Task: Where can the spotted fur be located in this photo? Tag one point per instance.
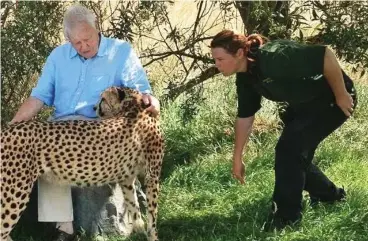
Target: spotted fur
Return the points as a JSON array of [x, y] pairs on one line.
[[126, 142]]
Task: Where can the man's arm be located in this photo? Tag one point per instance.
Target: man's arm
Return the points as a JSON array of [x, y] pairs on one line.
[[135, 77], [42, 94], [28, 110], [332, 72], [243, 128], [133, 74]]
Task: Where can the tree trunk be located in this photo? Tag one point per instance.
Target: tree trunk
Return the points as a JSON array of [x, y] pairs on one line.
[[245, 8], [262, 25]]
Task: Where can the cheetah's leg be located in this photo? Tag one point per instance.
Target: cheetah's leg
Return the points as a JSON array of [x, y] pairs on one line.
[[152, 185], [132, 204], [13, 202], [154, 157]]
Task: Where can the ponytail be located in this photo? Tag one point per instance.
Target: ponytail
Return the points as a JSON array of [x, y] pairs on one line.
[[252, 44], [232, 42]]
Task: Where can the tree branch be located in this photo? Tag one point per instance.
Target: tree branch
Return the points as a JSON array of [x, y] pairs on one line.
[[156, 59], [174, 92], [6, 11], [179, 51]]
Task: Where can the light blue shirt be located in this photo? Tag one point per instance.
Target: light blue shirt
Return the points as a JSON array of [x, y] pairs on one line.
[[73, 85]]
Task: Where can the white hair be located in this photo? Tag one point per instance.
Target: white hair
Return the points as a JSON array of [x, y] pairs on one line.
[[76, 14]]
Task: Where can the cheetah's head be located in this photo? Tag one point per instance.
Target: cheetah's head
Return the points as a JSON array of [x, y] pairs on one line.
[[120, 101]]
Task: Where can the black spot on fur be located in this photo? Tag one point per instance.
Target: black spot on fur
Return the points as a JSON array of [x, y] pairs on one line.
[[121, 94]]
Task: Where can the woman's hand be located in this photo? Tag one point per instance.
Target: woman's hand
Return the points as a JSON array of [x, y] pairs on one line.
[[346, 103], [243, 128], [239, 171], [333, 73]]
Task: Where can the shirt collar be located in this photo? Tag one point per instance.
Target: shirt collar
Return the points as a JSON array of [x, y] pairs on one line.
[[101, 48], [73, 52]]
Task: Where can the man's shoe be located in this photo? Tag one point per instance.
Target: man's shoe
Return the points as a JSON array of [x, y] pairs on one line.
[[339, 196], [63, 236]]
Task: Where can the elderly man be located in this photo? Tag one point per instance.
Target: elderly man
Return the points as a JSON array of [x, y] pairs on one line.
[[73, 77]]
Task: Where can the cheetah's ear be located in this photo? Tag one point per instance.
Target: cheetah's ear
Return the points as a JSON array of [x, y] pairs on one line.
[[121, 94]]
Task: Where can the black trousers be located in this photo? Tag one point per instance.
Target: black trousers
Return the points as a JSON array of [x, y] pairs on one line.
[[305, 127]]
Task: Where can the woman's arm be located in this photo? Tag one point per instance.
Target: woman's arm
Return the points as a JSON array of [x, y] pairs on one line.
[[332, 72], [243, 128]]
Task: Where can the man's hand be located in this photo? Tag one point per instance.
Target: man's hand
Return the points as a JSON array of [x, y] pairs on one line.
[[346, 103], [154, 107], [12, 122], [239, 170], [27, 110]]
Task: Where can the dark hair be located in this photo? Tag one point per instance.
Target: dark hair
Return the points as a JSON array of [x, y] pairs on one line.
[[231, 42]]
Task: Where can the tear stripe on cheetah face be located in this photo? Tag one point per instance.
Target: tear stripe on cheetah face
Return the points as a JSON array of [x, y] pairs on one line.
[[83, 153]]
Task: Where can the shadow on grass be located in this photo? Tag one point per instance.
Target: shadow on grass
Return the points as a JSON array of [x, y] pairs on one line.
[[245, 219], [353, 214], [246, 222], [179, 151]]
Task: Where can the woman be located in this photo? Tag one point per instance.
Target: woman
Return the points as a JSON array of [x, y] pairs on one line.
[[320, 97]]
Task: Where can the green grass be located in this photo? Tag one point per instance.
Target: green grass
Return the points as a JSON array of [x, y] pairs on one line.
[[200, 201]]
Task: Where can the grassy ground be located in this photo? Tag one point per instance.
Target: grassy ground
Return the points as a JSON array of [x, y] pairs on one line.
[[200, 201]]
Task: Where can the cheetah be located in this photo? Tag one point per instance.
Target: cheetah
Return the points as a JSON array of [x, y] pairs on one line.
[[125, 142]]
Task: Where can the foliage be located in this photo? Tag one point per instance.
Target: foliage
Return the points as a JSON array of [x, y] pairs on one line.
[[183, 45], [269, 18], [345, 28], [26, 40], [127, 20], [174, 49]]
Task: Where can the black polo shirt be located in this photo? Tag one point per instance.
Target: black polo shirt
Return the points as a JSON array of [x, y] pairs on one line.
[[284, 71]]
